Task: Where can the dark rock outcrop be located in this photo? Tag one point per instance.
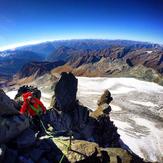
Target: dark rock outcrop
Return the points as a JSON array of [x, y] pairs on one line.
[[11, 122], [105, 131], [12, 126], [128, 61], [6, 105], [65, 92], [26, 139], [105, 98], [70, 115]]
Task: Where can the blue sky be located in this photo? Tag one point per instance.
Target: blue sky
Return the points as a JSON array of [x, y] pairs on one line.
[[31, 21]]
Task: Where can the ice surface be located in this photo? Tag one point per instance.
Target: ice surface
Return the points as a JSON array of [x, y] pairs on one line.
[[11, 94], [143, 134], [115, 108], [149, 52], [148, 103]]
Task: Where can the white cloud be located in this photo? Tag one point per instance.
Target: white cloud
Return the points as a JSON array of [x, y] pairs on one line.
[[13, 46]]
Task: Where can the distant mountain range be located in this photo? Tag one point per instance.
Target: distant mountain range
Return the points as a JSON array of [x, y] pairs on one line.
[[12, 61], [85, 58], [38, 68], [148, 57], [142, 63], [46, 48]]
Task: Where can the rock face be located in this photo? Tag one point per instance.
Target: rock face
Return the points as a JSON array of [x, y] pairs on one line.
[[105, 98], [86, 125], [138, 61], [70, 115], [38, 68], [26, 139], [12, 126], [6, 105], [106, 132], [11, 122], [65, 92], [84, 151]]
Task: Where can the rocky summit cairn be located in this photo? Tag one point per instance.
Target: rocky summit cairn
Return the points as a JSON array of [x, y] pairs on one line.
[[72, 133], [106, 132], [105, 98]]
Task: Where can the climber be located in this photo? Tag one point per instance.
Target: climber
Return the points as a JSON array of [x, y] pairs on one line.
[[33, 108], [24, 89]]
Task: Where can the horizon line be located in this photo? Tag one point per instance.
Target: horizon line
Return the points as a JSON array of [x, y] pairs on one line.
[[37, 42]]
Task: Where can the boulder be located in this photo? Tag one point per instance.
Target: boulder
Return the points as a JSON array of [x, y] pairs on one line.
[[49, 150], [65, 91], [44, 145], [101, 109], [36, 154], [6, 105], [43, 160], [67, 113], [85, 151], [106, 133], [12, 126], [10, 155], [23, 159], [105, 98], [82, 150], [26, 139], [74, 120]]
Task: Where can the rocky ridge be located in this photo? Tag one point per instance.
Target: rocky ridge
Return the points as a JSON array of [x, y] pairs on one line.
[[151, 58], [38, 68], [94, 137]]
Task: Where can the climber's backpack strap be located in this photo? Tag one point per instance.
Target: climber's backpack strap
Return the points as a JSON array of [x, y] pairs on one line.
[[37, 111]]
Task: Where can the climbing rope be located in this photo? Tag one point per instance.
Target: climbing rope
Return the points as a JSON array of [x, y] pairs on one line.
[[51, 135]]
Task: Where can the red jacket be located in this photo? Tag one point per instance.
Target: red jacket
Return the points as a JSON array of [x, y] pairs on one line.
[[26, 107]]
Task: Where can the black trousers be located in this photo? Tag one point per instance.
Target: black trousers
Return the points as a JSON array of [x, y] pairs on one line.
[[36, 124]]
